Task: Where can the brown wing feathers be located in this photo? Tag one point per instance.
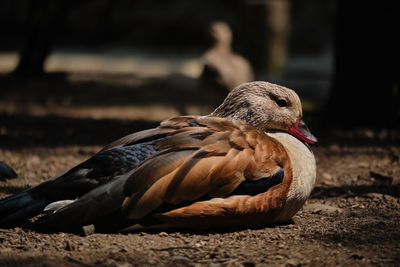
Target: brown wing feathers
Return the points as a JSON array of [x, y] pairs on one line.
[[164, 129], [202, 156]]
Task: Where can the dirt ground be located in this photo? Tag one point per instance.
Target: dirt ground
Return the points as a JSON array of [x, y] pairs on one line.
[[351, 219]]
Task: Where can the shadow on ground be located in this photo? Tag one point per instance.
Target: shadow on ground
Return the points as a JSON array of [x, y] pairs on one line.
[[24, 130], [102, 89], [352, 191]]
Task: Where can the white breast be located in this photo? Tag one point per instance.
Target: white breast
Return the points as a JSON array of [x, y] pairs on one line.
[[304, 173]]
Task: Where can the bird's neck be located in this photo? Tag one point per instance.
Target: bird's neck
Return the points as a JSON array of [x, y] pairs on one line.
[[304, 172]]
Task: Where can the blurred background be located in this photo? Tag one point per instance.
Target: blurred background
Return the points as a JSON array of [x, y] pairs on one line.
[[70, 70], [76, 75]]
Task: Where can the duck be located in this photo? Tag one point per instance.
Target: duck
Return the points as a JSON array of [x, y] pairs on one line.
[[223, 69], [249, 163]]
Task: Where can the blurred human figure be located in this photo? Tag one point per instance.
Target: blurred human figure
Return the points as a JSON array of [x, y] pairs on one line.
[[223, 69]]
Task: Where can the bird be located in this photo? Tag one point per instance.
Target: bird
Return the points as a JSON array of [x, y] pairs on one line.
[[223, 69], [249, 163]]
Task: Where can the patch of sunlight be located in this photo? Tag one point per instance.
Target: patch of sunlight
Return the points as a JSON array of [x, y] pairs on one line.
[[8, 61], [142, 63]]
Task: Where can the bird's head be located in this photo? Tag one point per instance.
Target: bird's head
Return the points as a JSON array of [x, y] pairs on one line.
[[267, 106]]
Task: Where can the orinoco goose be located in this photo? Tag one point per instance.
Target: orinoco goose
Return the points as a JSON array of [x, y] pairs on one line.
[[246, 164]]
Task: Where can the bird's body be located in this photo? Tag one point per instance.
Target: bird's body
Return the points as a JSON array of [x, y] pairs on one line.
[[243, 165]]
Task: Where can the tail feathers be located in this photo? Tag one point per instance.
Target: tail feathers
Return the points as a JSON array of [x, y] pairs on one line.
[[17, 208], [13, 203], [100, 207]]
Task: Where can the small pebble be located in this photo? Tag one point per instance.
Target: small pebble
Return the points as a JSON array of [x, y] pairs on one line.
[[292, 262], [88, 229], [179, 258], [163, 234], [322, 208], [327, 175]]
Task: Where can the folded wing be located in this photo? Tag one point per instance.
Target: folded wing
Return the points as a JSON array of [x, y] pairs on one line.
[[214, 159], [204, 169]]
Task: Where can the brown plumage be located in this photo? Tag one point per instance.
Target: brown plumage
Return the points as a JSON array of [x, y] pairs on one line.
[[211, 159], [246, 164]]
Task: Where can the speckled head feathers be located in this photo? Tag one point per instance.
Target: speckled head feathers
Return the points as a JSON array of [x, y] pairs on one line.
[[264, 105]]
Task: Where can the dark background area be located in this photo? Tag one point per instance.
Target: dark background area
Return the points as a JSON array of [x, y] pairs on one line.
[[339, 56], [76, 75]]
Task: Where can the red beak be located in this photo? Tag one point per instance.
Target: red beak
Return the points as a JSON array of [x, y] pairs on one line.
[[299, 129]]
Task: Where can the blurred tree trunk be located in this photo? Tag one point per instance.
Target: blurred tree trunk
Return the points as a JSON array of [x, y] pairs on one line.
[[278, 22], [266, 29], [366, 82], [41, 26]]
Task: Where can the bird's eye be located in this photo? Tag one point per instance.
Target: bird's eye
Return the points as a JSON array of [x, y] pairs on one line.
[[281, 102]]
